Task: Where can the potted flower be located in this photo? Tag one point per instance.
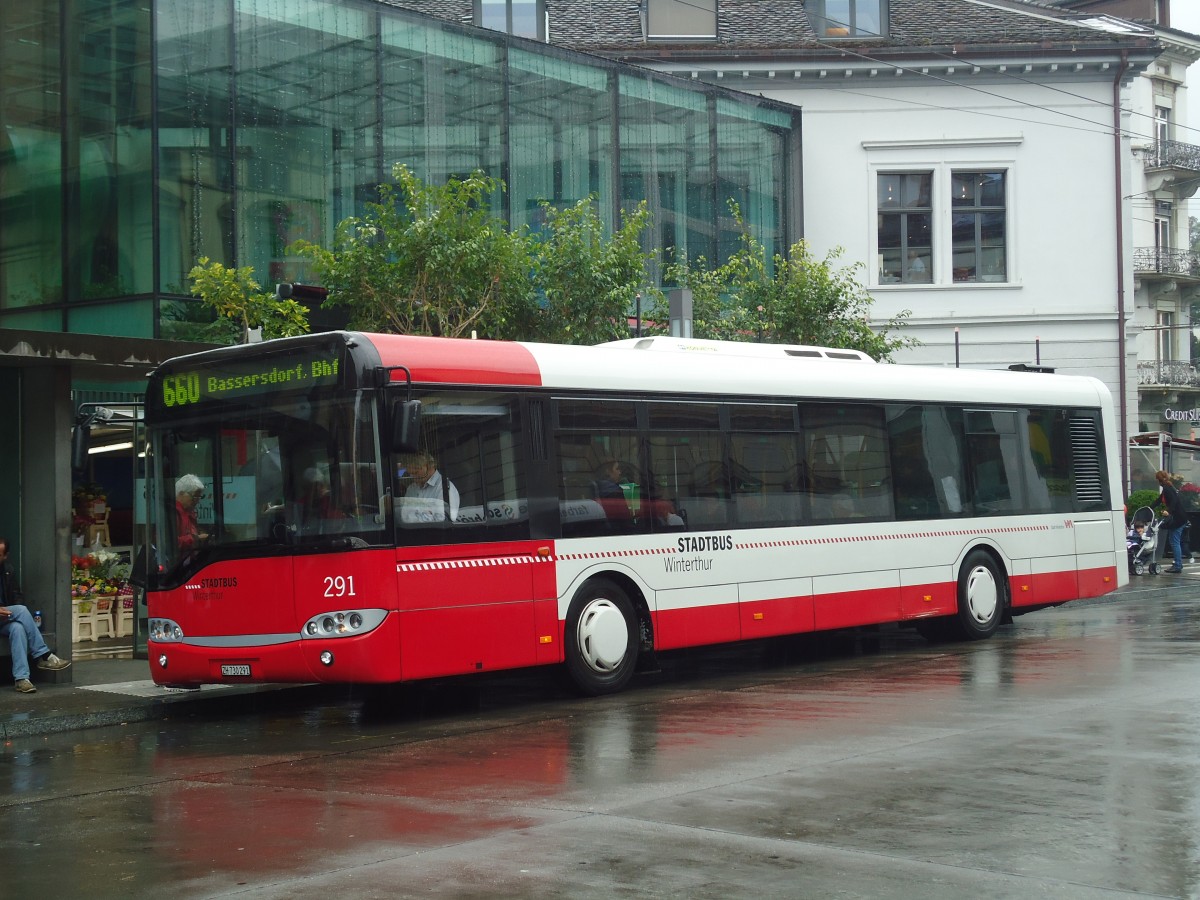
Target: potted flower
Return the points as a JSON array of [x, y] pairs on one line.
[[82, 582], [1189, 493], [89, 506]]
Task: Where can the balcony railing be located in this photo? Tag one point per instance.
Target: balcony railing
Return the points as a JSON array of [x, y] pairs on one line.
[[1173, 155], [1173, 374], [1166, 262]]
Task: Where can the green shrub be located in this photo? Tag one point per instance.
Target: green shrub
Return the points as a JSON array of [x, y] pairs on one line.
[[1138, 499]]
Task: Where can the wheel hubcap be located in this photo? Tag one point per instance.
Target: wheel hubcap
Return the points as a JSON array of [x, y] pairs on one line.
[[603, 635], [982, 594]]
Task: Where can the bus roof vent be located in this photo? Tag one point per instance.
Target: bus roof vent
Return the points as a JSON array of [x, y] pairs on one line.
[[738, 348], [846, 354]]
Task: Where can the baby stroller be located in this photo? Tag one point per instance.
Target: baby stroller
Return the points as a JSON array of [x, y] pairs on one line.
[[1142, 546]]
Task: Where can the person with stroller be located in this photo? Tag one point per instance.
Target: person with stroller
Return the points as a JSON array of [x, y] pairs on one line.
[[1176, 519], [1133, 540]]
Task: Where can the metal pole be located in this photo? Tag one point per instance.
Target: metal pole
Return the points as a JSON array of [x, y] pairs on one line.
[[956, 346], [1037, 350]]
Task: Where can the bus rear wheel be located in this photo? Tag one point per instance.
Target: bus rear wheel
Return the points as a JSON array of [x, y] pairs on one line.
[[981, 596], [601, 638]]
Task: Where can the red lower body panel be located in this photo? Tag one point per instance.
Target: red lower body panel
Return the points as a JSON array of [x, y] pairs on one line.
[[846, 610], [716, 624], [767, 618]]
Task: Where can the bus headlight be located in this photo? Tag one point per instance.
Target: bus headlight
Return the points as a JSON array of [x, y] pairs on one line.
[[164, 631], [343, 623]]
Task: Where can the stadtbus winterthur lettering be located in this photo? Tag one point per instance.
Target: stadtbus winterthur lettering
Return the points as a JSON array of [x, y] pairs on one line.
[[184, 388]]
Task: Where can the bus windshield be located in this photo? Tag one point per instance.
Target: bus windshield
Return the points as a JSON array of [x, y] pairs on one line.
[[287, 470]]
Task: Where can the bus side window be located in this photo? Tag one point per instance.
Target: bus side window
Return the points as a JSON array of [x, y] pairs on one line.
[[704, 499], [708, 505], [994, 461], [466, 482], [847, 462], [766, 491], [600, 483], [927, 460], [869, 476], [577, 478], [1049, 467], [671, 463]]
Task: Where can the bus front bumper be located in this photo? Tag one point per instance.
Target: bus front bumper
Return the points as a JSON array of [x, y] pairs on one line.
[[369, 658]]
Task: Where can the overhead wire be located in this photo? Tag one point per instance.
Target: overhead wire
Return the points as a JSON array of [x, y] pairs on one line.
[[1100, 127], [1096, 127]]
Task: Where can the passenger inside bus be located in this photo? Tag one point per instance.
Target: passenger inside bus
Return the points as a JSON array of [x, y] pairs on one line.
[[607, 490], [189, 491], [429, 497], [607, 484]]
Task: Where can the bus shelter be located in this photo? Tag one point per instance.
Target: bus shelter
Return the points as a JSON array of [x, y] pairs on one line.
[[1151, 451]]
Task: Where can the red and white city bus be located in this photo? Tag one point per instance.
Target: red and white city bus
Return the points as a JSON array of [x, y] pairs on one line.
[[380, 508]]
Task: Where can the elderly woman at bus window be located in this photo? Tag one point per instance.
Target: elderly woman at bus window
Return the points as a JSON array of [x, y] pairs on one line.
[[189, 491]]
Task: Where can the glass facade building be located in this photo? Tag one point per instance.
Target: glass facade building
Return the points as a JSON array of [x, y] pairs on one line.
[[140, 135]]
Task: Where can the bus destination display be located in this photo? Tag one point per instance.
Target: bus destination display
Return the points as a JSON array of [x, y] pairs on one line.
[[235, 380]]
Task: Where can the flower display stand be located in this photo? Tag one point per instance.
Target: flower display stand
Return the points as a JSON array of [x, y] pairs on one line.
[[123, 613], [92, 617]]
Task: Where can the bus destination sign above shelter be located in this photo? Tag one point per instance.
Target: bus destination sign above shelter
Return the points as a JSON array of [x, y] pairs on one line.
[[233, 380]]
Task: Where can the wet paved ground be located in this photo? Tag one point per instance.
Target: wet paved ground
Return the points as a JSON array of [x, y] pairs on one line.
[[1059, 759]]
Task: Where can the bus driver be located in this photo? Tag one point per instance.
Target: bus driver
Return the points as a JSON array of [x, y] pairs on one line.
[[429, 497]]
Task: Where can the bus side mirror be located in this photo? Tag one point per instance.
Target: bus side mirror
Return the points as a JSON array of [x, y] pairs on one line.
[[80, 439], [406, 426], [141, 575]]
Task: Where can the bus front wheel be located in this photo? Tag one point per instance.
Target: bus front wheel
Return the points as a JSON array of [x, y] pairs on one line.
[[601, 638], [981, 596]]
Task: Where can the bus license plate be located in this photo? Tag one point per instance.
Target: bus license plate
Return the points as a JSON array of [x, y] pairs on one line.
[[244, 671]]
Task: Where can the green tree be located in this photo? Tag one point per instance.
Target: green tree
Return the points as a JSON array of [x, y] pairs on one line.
[[797, 300], [429, 260], [588, 281], [241, 305]]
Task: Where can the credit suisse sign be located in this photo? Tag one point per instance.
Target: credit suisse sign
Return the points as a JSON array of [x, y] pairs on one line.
[[1181, 415]]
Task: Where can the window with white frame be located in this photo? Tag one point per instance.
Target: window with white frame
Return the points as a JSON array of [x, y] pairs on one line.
[[905, 227], [1162, 124], [523, 18], [681, 19], [1163, 217], [835, 19], [979, 226], [942, 225]]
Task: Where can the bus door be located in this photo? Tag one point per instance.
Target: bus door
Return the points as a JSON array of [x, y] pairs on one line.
[[209, 522], [467, 572]]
